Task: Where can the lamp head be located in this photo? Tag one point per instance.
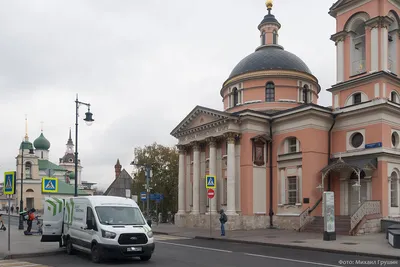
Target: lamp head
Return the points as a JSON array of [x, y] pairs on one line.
[[89, 118]]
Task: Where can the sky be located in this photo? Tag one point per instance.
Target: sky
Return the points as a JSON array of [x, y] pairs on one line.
[[142, 65]]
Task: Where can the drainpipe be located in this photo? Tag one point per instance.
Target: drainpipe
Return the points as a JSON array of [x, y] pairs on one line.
[[329, 149], [271, 209]]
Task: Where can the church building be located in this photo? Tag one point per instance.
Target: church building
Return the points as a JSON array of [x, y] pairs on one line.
[[275, 151], [36, 165]]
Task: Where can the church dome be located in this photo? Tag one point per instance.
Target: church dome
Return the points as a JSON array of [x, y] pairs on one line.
[[269, 57], [26, 145], [41, 143]]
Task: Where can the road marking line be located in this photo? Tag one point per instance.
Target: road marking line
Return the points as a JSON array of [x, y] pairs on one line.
[[20, 264], [189, 246], [298, 261]]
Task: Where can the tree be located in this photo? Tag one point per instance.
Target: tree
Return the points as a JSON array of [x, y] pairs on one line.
[[164, 162]]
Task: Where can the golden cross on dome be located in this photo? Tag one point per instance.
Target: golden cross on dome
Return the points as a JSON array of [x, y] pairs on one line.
[[26, 128], [41, 126], [269, 4]]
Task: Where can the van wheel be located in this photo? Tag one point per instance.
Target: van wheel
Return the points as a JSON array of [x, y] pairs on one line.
[[145, 258], [96, 256], [70, 249]]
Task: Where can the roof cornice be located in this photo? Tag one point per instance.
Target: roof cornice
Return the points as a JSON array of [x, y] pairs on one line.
[[362, 79]]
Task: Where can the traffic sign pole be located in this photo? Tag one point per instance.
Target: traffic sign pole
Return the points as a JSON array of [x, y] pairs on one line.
[[9, 225], [210, 195]]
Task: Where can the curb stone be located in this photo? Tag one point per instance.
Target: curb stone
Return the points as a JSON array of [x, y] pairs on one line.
[[32, 255], [336, 251]]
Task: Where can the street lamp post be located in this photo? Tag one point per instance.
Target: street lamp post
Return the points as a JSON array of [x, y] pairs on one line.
[[89, 120], [21, 202], [148, 175]]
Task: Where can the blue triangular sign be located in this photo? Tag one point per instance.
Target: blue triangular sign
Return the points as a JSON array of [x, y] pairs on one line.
[[210, 181]]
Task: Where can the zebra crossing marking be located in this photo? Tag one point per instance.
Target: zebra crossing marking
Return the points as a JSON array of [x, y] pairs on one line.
[[15, 263]]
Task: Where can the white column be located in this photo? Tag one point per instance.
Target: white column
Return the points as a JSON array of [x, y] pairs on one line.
[[385, 49], [181, 181], [340, 60], [196, 179], [231, 179], [213, 171], [374, 49]]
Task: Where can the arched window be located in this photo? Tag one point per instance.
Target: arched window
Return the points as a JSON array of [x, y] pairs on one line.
[[354, 175], [392, 42], [275, 37], [235, 97], [356, 98], [41, 154], [29, 191], [263, 38], [394, 202], [393, 96], [270, 92], [305, 94], [358, 49], [28, 169]]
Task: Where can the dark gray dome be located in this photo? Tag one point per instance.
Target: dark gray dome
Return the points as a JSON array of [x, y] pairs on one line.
[[269, 58]]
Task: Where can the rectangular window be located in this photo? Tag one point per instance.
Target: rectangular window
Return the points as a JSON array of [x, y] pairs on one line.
[[292, 145], [292, 190], [357, 98], [393, 193], [90, 219]]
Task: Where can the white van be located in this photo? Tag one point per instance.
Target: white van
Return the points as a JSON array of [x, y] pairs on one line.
[[102, 226]]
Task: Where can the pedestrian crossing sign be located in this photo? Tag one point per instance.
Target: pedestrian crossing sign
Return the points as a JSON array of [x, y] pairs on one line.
[[211, 182], [49, 185], [9, 183]]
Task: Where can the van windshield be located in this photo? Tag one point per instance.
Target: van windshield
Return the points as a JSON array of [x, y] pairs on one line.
[[112, 215]]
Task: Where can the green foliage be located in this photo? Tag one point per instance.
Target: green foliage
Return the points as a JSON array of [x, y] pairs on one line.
[[164, 162]]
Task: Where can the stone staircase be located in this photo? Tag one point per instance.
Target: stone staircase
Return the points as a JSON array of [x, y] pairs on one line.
[[342, 225]]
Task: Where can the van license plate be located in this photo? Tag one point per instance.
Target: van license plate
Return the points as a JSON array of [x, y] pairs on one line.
[[135, 249]]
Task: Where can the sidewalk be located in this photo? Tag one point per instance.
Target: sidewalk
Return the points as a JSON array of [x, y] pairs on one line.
[[24, 246], [374, 245]]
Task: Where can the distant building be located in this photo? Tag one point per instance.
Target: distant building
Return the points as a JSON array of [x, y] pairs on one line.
[[122, 185], [37, 165]]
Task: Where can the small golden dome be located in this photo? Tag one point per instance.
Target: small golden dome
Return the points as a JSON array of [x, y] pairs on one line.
[[269, 4]]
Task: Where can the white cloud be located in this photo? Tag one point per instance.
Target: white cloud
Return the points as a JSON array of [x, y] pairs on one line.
[[143, 65]]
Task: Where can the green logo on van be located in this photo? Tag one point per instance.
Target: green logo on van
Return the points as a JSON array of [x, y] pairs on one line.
[[55, 205], [70, 205]]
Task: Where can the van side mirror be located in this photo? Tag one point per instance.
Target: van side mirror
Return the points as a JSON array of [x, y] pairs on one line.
[[149, 222]]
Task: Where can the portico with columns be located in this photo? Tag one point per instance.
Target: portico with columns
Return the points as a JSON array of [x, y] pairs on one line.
[[217, 155]]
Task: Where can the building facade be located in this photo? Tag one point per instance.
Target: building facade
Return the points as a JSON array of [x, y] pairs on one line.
[[274, 150]]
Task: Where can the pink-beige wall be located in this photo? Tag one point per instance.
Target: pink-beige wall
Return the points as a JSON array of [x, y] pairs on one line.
[[314, 159], [380, 187], [368, 89], [246, 173], [285, 88], [379, 132]]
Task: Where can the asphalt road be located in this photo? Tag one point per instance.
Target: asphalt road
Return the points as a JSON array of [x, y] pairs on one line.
[[173, 251]]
